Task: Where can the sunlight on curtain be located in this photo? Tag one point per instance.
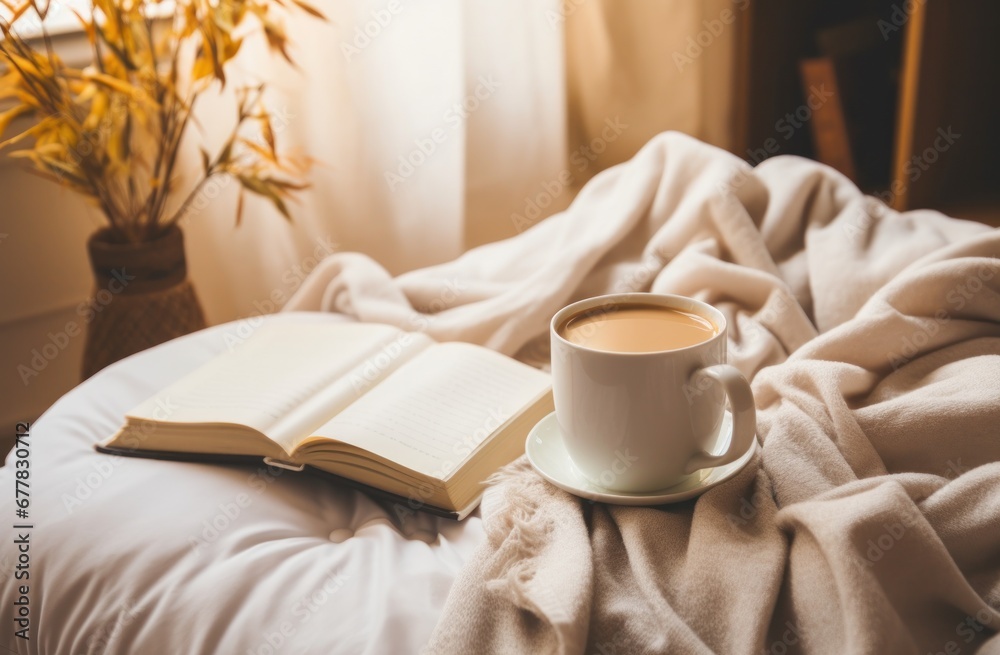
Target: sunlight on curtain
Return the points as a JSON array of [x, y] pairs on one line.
[[438, 126], [636, 68], [431, 122]]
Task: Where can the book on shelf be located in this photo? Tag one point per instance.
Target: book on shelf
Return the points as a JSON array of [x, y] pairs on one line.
[[828, 124], [853, 127], [394, 413]]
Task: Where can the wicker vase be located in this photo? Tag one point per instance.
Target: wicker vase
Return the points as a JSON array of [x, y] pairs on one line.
[[142, 297]]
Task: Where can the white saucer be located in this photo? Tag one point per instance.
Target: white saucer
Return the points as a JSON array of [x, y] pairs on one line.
[[548, 455]]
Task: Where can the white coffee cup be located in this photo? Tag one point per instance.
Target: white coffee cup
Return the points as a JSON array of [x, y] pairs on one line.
[[642, 421]]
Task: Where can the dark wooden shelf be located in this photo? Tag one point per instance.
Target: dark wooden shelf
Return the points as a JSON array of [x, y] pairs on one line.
[[984, 208], [945, 58]]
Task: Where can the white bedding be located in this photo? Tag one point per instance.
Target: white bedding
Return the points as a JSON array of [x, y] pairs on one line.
[[125, 557], [122, 562]]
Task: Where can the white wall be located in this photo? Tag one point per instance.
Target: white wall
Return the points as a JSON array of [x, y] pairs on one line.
[[44, 276]]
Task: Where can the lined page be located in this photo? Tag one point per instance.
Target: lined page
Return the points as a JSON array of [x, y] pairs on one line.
[[266, 377], [331, 399], [433, 412]]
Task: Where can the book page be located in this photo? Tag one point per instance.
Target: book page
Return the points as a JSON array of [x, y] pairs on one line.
[[330, 400], [436, 409], [264, 379]]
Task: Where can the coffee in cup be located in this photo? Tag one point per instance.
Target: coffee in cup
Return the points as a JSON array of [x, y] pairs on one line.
[[640, 382], [636, 328]]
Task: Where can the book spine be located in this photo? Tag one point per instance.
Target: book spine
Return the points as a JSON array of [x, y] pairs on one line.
[[829, 125], [281, 464]]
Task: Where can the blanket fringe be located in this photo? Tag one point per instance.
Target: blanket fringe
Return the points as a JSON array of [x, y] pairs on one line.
[[517, 532]]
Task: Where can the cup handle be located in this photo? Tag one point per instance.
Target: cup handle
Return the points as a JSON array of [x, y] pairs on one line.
[[744, 417]]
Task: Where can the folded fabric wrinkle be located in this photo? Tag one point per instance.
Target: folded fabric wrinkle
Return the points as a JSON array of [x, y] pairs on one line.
[[872, 338]]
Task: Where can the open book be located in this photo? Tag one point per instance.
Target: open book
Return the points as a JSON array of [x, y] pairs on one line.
[[390, 410]]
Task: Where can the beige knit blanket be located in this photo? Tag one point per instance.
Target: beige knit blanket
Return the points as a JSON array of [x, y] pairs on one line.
[[869, 523]]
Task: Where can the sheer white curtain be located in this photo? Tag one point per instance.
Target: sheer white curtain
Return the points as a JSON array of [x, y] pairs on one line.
[[438, 125], [645, 67], [430, 121]]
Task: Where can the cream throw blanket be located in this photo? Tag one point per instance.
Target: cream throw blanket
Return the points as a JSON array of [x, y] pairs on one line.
[[870, 523]]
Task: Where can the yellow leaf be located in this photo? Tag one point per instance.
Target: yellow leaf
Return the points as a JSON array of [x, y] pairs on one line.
[[14, 140], [257, 148], [263, 188], [202, 67], [47, 150], [88, 27], [60, 169], [11, 91], [41, 9], [265, 126], [239, 208], [18, 11], [285, 186], [276, 38], [115, 145], [113, 83], [68, 134], [24, 66], [46, 124], [309, 9], [7, 117], [232, 48], [190, 22], [85, 92], [98, 112]]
